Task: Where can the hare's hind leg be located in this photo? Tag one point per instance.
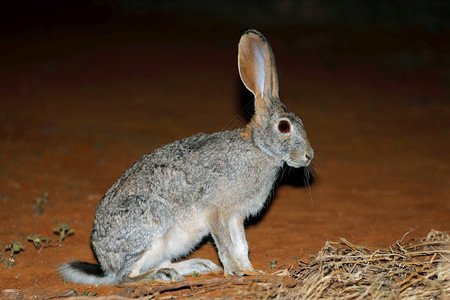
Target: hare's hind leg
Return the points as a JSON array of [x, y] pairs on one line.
[[161, 271], [151, 266], [195, 265]]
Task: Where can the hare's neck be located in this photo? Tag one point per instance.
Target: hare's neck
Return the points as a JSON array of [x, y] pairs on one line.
[[273, 162]]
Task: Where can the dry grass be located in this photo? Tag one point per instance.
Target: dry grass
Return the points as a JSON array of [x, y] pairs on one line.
[[419, 269]]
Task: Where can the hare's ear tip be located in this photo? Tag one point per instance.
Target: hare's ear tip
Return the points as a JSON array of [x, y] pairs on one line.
[[252, 31], [249, 30]]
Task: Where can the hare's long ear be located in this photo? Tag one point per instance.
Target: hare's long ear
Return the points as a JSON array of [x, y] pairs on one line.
[[257, 70]]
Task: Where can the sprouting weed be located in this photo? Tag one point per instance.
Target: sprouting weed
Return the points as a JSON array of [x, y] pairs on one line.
[[39, 203], [273, 264], [14, 247], [63, 230], [38, 240]]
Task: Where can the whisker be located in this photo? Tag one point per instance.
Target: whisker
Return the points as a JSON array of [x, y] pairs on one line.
[[283, 171], [291, 170], [313, 170], [308, 173]]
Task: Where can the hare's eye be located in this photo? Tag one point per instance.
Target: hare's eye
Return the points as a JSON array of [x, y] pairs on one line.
[[284, 126]]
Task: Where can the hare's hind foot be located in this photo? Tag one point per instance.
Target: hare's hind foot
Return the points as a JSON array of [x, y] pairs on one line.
[[156, 275], [195, 265], [173, 271]]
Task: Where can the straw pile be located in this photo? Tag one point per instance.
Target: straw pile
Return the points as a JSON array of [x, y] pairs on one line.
[[418, 270]]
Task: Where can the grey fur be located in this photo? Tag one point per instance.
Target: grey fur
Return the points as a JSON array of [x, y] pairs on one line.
[[166, 202]]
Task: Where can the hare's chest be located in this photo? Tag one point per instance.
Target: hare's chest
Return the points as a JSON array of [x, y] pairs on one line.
[[259, 192], [256, 203]]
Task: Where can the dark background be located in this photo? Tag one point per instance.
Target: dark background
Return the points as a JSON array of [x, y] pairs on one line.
[[43, 16], [327, 22]]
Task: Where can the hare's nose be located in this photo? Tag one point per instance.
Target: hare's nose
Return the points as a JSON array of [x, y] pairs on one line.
[[309, 155]]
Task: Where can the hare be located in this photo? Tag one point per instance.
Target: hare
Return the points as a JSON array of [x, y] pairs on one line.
[[170, 199]]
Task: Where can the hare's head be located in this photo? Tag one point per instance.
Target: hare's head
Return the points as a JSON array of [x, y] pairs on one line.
[[273, 128]]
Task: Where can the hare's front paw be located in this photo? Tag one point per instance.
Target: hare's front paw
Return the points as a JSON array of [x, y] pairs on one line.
[[235, 272], [253, 272]]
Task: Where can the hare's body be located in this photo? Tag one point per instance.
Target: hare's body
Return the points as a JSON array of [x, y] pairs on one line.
[[176, 206], [165, 203]]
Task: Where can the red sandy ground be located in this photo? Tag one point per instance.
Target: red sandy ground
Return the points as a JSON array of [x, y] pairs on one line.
[[78, 106]]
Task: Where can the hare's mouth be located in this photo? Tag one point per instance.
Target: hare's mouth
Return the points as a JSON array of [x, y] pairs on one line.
[[297, 159], [292, 164], [298, 164]]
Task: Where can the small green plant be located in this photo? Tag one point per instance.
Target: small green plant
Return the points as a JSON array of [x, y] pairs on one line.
[[295, 258], [195, 274], [273, 264], [85, 293], [63, 230], [39, 203], [38, 240], [14, 247]]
